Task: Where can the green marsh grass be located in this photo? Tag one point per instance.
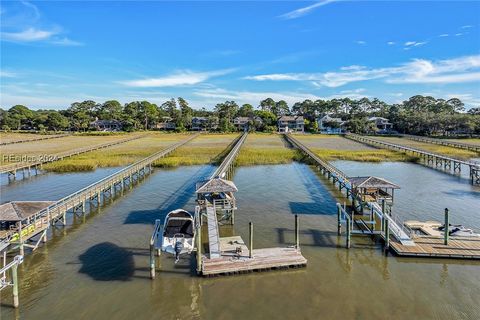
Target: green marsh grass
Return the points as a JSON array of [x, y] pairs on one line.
[[205, 149], [118, 155]]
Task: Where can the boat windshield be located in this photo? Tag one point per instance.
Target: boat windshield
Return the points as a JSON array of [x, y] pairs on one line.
[[175, 226]]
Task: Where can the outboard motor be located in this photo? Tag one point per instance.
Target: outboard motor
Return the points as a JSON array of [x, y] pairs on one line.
[[178, 250]]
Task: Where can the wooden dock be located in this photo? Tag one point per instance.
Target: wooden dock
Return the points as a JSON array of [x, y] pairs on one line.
[[27, 167], [261, 260], [431, 159], [431, 246], [444, 142], [46, 137], [38, 222], [213, 234]]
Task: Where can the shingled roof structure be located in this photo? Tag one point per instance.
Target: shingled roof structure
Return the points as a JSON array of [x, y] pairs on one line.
[[372, 182], [216, 185], [21, 210]]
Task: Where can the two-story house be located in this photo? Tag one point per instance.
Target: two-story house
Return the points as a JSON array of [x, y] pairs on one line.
[[330, 125], [165, 123], [243, 123], [381, 123], [291, 124]]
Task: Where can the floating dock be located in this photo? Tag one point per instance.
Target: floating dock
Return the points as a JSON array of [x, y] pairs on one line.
[[235, 258]]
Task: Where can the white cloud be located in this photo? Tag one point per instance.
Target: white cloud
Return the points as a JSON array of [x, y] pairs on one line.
[[458, 34], [391, 43], [28, 35], [180, 78], [444, 35], [361, 42], [456, 70], [466, 27], [305, 10], [415, 43], [252, 97], [7, 74], [25, 25], [66, 42]]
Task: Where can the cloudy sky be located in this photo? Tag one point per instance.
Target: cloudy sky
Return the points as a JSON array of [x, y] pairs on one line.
[[55, 53]]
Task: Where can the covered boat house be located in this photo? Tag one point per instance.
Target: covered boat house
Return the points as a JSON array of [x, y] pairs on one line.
[[218, 193], [373, 189]]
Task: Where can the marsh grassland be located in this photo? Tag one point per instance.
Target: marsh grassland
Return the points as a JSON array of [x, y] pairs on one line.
[[264, 148], [335, 147], [205, 149], [435, 148], [119, 155], [55, 146], [9, 137]]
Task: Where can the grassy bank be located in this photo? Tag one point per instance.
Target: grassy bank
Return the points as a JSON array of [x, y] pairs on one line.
[[261, 149], [363, 155], [435, 148], [205, 149], [118, 155]]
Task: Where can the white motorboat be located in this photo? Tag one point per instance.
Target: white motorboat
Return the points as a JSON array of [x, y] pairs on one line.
[[178, 233]]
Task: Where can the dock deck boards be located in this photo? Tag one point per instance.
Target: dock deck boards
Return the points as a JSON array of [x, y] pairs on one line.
[[213, 235], [431, 246], [263, 259]]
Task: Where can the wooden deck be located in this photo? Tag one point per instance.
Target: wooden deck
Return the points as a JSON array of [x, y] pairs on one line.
[[262, 260], [213, 234], [431, 246]]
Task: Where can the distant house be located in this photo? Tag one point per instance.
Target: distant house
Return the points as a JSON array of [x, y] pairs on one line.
[[291, 124], [381, 123], [199, 123], [243, 123], [204, 123], [329, 125], [166, 123], [106, 125]]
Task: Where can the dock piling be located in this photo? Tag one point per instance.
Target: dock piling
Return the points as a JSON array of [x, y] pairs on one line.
[[446, 230], [250, 243], [387, 236], [349, 231], [339, 219], [15, 286], [297, 233], [152, 261]]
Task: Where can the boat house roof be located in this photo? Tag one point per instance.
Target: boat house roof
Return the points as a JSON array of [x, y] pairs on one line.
[[21, 210], [372, 182], [216, 185]]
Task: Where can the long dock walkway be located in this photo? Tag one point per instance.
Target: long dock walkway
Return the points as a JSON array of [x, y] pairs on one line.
[[429, 158], [12, 169], [230, 255], [444, 142], [344, 184], [37, 222], [46, 137]]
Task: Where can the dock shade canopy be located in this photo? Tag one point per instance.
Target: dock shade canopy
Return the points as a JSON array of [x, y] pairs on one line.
[[21, 210], [216, 185], [372, 182]]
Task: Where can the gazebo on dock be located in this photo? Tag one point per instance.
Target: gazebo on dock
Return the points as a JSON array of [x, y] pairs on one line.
[[19, 222], [219, 193], [373, 189]]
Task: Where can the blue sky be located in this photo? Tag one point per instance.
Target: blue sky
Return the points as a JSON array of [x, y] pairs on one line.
[[55, 53]]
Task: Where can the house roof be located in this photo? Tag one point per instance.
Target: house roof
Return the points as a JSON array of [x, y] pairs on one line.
[[371, 182], [290, 118], [21, 210], [327, 118], [216, 185]]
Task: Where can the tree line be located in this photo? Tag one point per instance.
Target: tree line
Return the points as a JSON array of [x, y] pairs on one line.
[[423, 115]]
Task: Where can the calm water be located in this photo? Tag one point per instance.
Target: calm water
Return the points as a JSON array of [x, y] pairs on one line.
[[98, 269]]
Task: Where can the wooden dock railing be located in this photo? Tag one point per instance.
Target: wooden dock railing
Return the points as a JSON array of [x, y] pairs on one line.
[[430, 158], [39, 222], [11, 169], [340, 178], [46, 137], [443, 142], [226, 166]]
